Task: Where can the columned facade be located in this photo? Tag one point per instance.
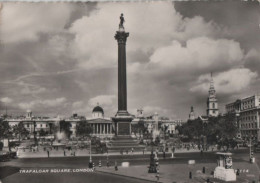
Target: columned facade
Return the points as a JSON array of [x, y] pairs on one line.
[[101, 128]]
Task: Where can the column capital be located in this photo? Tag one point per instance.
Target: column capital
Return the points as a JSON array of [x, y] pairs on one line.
[[121, 36]]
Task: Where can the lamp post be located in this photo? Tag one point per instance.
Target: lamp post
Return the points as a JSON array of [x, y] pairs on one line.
[[251, 157], [90, 165]]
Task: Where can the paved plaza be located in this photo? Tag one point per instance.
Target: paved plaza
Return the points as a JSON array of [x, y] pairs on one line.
[[170, 169]]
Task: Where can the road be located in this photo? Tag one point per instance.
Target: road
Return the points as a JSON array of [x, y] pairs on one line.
[[9, 170]]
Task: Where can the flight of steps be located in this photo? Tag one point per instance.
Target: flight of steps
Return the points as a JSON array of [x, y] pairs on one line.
[[124, 143]]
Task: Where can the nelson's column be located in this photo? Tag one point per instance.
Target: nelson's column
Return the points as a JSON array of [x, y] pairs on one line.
[[122, 118]]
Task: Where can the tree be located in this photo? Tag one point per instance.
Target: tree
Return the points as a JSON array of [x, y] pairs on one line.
[[140, 127], [65, 127], [20, 130], [225, 128], [43, 132], [193, 129], [164, 128], [83, 129], [5, 129], [34, 133]]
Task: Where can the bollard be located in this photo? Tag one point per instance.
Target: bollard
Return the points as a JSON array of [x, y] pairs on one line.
[[203, 169], [157, 176], [107, 163], [238, 171], [99, 164], [190, 175], [157, 162], [116, 168], [90, 165]]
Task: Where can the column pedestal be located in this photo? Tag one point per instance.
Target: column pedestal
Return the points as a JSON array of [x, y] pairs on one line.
[[122, 122]]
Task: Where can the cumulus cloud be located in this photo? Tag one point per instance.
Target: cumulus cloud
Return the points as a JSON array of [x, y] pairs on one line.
[[232, 81], [90, 43], [6, 100], [150, 110], [202, 54], [103, 100], [42, 103], [31, 19], [70, 50], [252, 60], [35, 90]]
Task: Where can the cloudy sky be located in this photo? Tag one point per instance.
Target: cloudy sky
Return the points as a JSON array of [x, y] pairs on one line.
[[60, 58]]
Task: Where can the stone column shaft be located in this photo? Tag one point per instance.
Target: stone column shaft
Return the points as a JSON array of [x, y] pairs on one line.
[[121, 37]]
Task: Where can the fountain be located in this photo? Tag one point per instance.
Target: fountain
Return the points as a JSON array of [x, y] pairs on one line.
[[60, 137]]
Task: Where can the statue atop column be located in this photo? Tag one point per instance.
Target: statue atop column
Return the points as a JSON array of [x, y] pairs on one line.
[[122, 20]]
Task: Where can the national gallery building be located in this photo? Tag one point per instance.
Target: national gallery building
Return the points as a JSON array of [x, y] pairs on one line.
[[101, 126]]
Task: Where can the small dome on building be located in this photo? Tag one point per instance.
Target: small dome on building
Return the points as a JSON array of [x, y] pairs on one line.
[[98, 112], [98, 109]]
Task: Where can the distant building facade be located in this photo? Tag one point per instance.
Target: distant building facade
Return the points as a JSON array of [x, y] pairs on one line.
[[154, 122], [101, 126], [247, 111]]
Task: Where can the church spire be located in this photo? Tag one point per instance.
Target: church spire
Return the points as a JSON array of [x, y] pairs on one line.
[[211, 88], [191, 115], [212, 102]]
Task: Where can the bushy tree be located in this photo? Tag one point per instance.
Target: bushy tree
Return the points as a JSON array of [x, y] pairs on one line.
[[5, 129], [83, 129], [20, 130], [221, 130], [43, 133], [140, 127], [193, 129]]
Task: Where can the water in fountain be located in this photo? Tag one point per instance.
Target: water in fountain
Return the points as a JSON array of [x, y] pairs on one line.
[[155, 133]]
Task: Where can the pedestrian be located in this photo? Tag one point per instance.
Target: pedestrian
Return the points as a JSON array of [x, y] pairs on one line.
[[143, 151], [48, 153], [132, 150], [164, 155], [126, 151], [64, 153]]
